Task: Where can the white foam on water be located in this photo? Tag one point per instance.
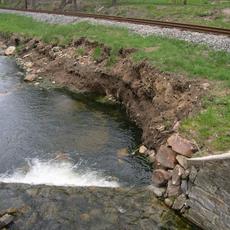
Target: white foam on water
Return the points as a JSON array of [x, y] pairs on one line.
[[57, 173]]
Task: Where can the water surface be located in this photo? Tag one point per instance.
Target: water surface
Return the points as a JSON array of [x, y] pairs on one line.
[[37, 126]]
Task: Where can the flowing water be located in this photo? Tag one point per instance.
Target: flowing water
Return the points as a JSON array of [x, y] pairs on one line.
[[50, 138]]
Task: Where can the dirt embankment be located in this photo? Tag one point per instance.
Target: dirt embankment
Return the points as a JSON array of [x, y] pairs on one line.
[[155, 100]]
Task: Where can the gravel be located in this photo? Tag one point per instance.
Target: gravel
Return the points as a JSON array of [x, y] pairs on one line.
[[217, 42]]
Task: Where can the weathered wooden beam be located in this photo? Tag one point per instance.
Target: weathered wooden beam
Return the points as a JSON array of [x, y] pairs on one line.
[[201, 160]]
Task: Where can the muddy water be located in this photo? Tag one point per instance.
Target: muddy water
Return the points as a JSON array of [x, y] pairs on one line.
[[49, 138]]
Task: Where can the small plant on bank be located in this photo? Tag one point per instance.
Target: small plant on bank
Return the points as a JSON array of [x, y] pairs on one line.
[[80, 52], [97, 54]]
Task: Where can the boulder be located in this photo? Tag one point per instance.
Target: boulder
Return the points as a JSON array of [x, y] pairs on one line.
[[30, 77], [160, 177], [10, 50], [182, 160], [166, 157], [5, 220], [173, 190], [181, 145]]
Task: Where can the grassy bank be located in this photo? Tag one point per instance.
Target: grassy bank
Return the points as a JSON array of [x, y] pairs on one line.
[[204, 12], [166, 54]]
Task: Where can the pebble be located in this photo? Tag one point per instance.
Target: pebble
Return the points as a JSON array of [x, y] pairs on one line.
[[142, 149], [217, 42]]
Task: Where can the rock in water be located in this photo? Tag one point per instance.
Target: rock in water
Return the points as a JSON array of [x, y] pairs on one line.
[[173, 190], [179, 202], [30, 77], [10, 50], [160, 177], [168, 202], [142, 149], [5, 220], [159, 192], [181, 145]]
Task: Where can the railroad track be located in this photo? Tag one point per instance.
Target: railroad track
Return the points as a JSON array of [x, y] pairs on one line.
[[182, 26]]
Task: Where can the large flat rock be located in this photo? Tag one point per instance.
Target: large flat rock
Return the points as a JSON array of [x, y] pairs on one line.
[[44, 207]]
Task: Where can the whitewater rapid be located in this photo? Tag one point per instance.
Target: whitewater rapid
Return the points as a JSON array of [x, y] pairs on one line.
[[57, 173]]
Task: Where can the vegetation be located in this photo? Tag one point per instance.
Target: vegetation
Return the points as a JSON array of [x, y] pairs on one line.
[[97, 53], [204, 12], [213, 124], [80, 51]]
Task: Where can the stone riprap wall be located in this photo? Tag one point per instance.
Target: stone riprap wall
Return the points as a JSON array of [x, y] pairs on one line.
[[209, 195]]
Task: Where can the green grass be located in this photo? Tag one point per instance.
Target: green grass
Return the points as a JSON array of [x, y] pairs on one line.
[[166, 54], [80, 51], [203, 12], [212, 126], [96, 53]]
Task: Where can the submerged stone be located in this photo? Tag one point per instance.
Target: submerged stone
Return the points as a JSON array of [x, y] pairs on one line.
[[5, 220]]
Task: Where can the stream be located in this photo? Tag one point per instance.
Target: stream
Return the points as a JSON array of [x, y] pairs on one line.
[[69, 162]]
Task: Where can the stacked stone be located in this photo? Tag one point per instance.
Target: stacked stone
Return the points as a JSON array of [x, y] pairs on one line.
[[171, 171]]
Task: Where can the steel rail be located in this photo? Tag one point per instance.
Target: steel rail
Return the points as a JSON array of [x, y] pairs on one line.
[[182, 26]]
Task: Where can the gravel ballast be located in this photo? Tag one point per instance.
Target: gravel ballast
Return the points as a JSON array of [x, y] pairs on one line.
[[217, 42]]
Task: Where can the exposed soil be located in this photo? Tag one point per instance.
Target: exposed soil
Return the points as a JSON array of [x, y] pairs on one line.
[[155, 100]]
